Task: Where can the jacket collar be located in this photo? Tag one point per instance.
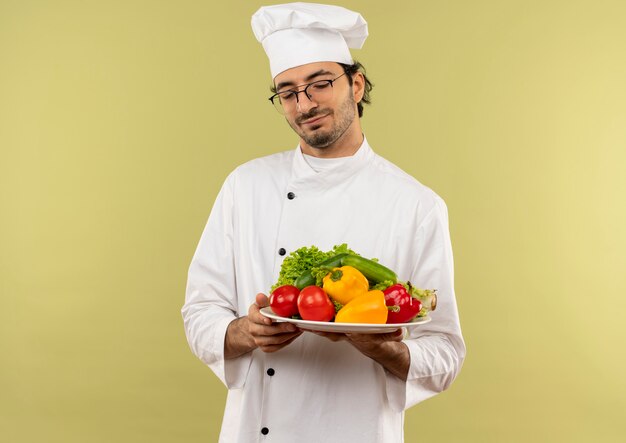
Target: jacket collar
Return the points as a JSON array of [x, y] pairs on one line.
[[303, 176]]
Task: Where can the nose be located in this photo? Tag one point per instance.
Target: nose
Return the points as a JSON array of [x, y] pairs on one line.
[[305, 103]]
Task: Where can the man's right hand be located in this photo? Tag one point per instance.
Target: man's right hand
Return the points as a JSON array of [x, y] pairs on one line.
[[267, 335], [257, 331]]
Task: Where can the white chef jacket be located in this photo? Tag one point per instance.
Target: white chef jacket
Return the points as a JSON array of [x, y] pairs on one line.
[[315, 390]]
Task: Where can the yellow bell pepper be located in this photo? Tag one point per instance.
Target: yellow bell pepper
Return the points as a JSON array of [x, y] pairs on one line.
[[345, 283], [367, 308]]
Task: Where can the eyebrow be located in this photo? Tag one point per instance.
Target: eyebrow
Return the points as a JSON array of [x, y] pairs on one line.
[[307, 79]]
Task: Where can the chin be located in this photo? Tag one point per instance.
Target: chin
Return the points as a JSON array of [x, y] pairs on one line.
[[319, 142]]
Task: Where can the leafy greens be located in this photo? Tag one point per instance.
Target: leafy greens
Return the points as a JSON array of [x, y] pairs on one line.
[[305, 259]]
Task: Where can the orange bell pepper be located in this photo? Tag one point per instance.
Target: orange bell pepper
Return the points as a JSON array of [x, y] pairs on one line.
[[369, 307]]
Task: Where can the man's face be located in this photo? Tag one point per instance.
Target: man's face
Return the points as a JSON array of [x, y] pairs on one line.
[[319, 124]]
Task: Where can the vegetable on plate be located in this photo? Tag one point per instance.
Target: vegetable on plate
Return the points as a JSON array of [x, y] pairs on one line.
[[284, 300], [345, 283], [408, 307], [374, 271], [340, 284], [366, 308], [314, 304], [307, 278]]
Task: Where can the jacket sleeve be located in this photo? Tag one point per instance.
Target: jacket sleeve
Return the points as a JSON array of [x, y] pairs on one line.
[[437, 349], [211, 296]]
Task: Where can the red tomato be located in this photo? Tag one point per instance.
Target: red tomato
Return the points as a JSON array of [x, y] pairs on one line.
[[314, 304], [284, 300]]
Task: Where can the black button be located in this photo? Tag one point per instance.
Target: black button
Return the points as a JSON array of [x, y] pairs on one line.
[[265, 431], [282, 251], [291, 196], [271, 372]]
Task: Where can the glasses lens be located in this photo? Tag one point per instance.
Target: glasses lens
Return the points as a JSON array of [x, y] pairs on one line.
[[278, 105], [320, 91], [285, 102]]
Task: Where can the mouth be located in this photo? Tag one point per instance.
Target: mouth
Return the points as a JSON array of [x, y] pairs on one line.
[[314, 120]]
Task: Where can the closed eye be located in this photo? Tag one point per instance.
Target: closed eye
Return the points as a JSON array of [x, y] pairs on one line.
[[287, 96], [318, 86]]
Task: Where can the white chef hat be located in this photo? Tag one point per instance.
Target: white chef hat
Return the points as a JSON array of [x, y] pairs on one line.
[[295, 34]]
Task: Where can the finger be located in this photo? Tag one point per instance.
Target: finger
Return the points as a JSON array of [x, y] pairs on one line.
[[396, 335], [391, 336], [367, 338], [401, 334], [266, 340], [332, 336], [257, 318], [254, 313], [276, 340], [261, 330], [262, 300], [276, 347]]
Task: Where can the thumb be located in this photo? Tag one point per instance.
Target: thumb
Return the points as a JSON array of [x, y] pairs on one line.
[[262, 300], [396, 335]]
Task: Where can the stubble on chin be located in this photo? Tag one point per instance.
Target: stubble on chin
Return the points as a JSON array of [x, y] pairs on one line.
[[320, 139], [314, 137]]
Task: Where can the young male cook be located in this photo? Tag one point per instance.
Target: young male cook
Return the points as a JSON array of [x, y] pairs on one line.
[[286, 385]]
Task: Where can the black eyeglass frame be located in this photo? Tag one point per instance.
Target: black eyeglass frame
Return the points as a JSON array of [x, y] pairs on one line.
[[306, 87]]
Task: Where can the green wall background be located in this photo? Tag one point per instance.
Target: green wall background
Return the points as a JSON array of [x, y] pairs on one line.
[[119, 121]]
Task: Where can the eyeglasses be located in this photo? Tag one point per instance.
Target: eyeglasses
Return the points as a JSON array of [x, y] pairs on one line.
[[318, 91]]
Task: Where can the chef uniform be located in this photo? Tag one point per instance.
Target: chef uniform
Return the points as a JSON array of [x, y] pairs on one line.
[[315, 390]]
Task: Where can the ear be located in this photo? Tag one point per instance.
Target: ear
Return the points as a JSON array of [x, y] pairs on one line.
[[358, 86]]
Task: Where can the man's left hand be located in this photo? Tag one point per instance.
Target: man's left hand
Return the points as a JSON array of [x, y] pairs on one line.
[[386, 349]]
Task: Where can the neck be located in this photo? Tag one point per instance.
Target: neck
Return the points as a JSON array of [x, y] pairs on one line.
[[345, 146]]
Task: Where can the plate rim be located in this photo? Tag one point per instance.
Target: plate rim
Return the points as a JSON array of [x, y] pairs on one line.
[[390, 326]]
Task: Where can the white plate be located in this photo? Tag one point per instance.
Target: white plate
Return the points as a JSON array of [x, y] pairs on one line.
[[361, 328]]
